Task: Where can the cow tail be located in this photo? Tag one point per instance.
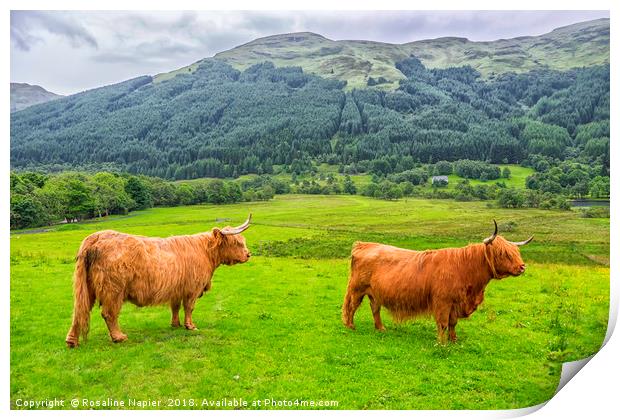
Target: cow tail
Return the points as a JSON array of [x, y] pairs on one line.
[[347, 305], [84, 298], [346, 308]]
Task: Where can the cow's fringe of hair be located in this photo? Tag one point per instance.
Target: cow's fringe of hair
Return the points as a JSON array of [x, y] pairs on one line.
[[500, 249]]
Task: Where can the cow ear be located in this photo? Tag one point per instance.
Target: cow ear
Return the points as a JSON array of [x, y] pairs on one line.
[[218, 237]]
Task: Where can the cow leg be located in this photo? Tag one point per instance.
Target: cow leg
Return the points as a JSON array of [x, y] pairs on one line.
[[452, 325], [352, 301], [442, 318], [110, 309], [175, 306], [188, 307], [375, 307]]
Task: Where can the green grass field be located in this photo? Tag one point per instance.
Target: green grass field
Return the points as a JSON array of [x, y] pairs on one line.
[[518, 174], [516, 180], [271, 329]]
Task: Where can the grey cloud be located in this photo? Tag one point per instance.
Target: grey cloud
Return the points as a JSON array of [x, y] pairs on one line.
[[152, 51], [20, 34], [23, 23], [273, 22], [163, 47], [406, 26], [187, 19], [217, 42], [154, 22], [22, 39]]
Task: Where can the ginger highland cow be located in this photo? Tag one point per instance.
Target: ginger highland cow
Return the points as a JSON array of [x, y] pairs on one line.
[[447, 283], [114, 267]]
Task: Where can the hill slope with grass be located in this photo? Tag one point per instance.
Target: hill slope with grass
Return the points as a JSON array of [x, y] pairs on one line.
[[577, 45]]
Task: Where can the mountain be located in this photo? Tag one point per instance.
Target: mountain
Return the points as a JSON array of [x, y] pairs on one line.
[[214, 120], [24, 95], [577, 45]]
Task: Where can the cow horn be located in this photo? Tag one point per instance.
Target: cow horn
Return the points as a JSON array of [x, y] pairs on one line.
[[238, 229], [527, 241], [492, 237]]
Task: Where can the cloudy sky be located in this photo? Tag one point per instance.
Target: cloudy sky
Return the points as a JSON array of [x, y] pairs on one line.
[[67, 52]]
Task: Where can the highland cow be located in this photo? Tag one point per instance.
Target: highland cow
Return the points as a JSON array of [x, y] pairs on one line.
[[114, 267], [447, 283]]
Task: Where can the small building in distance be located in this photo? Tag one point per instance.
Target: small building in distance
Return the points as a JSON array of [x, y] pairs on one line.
[[440, 180]]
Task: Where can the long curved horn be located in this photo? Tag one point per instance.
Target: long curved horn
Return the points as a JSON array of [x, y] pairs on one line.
[[492, 237], [238, 229], [527, 241]]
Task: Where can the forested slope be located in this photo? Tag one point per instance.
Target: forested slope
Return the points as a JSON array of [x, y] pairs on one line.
[[218, 121]]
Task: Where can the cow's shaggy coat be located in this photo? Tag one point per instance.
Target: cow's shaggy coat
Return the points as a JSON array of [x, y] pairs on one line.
[[114, 267], [447, 283]]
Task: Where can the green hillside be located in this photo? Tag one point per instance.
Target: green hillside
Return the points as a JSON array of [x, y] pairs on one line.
[[581, 44], [219, 122]]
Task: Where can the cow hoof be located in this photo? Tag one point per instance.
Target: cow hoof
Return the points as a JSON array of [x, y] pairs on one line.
[[175, 324], [72, 344], [119, 338], [350, 326], [381, 328], [191, 327]]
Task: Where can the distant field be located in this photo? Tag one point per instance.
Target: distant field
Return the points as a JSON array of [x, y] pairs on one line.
[[271, 328], [518, 174], [516, 180]]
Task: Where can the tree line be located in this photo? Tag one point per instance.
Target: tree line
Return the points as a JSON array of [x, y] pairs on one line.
[[464, 191], [40, 199]]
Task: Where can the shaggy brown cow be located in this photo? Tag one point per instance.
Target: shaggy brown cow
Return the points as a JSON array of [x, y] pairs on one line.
[[447, 283], [114, 267]]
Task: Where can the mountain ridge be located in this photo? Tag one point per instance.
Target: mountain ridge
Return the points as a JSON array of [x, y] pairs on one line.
[[356, 61]]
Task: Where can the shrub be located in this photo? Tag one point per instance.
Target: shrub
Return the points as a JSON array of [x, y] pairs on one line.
[[510, 198]]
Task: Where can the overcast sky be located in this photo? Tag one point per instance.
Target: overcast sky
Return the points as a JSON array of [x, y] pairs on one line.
[[67, 52]]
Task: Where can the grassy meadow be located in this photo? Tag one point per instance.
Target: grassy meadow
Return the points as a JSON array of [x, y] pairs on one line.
[[271, 329], [518, 176]]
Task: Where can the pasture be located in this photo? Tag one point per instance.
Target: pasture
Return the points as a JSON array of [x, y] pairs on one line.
[[271, 329], [518, 176]]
